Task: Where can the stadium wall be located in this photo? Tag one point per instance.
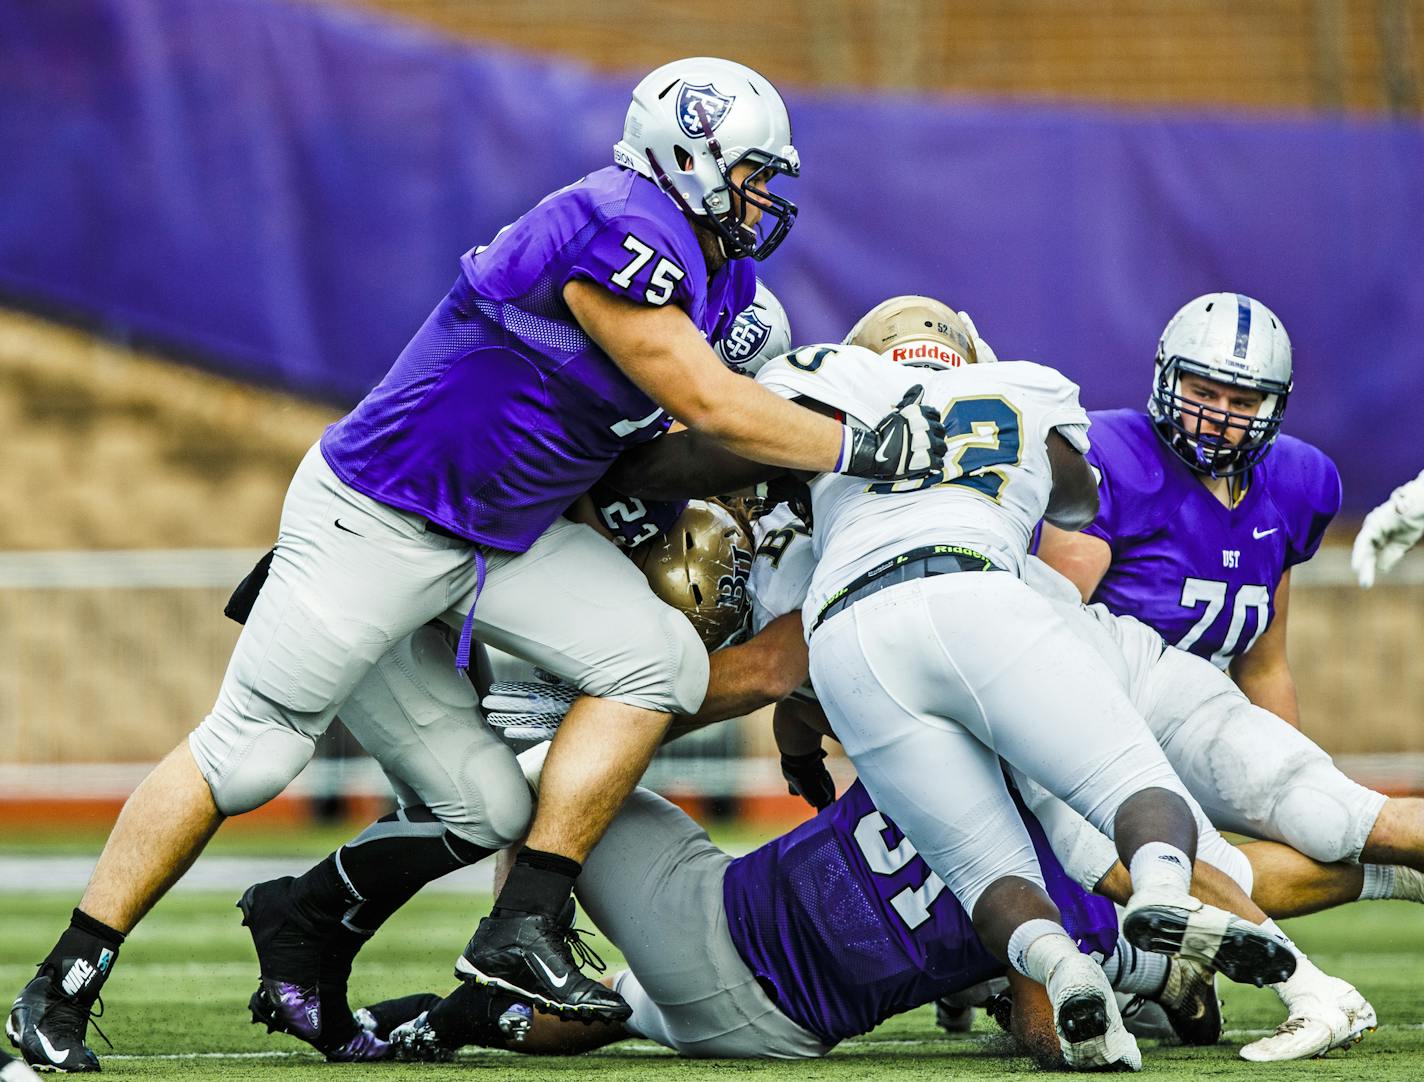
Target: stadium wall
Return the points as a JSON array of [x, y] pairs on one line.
[[284, 190]]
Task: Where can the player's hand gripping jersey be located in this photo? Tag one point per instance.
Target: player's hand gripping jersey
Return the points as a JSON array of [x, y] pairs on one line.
[[502, 411], [997, 478], [1200, 573]]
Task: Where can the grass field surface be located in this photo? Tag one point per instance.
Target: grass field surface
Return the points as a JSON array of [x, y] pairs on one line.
[[177, 1006]]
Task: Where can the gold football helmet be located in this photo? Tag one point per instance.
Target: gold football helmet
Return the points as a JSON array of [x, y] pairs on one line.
[[700, 567], [916, 330]]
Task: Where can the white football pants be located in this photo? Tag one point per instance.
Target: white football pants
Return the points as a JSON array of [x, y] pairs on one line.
[[930, 682]]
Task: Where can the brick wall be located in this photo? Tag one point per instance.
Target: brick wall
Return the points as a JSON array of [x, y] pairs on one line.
[[1355, 54]]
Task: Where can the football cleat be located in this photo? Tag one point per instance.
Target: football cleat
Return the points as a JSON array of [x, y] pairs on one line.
[[953, 1018], [417, 1041], [532, 957], [48, 1028], [1189, 1001], [1313, 1028], [385, 1017], [12, 1070], [1090, 1030], [1180, 925], [286, 1008], [1408, 884]]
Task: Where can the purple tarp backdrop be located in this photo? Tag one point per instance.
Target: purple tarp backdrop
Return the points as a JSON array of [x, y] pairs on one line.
[[284, 191]]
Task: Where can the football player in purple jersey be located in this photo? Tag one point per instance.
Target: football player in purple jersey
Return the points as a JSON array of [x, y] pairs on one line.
[[814, 938], [574, 333], [1204, 509]]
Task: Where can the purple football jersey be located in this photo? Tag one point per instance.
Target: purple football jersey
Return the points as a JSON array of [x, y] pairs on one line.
[[1203, 575], [847, 925], [501, 410]]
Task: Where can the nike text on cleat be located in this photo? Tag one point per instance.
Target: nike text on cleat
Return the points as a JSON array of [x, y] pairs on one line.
[[1180, 925], [49, 1028], [532, 958]]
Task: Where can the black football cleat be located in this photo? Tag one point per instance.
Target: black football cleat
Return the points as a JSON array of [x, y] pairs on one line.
[[48, 1027], [531, 957]]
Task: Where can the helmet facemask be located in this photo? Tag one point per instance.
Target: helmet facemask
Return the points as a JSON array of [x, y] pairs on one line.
[[1179, 419], [724, 209]]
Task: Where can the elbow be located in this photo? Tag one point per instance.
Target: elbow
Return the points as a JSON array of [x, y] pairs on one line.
[[1073, 515]]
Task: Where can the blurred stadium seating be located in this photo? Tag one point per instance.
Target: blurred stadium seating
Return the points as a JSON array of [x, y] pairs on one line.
[[139, 489]]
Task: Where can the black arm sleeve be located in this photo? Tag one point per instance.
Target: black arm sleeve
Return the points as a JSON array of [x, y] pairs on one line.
[[684, 466]]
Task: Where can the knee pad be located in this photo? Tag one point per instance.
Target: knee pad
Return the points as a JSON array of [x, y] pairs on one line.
[[1324, 814], [248, 776], [671, 673], [496, 806]]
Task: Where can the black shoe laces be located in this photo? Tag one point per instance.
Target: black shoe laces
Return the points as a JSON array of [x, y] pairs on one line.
[[582, 953], [77, 1016]]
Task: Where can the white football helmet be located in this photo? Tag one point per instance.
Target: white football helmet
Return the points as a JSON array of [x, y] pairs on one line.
[[692, 121], [1229, 338], [761, 331]]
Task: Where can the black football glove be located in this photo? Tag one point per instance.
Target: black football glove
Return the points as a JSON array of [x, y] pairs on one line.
[[906, 444], [807, 777]]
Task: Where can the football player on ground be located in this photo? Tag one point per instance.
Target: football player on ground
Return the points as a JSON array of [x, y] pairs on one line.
[[809, 940], [12, 1070], [573, 334], [924, 681], [1205, 508], [1389, 531]]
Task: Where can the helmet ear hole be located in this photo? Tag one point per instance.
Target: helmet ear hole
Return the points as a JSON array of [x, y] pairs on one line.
[[697, 594], [683, 157]]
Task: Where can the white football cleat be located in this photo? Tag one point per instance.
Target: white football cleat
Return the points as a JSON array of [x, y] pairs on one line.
[[1313, 1028], [1175, 923], [1328, 1014], [1408, 884], [1090, 1030]]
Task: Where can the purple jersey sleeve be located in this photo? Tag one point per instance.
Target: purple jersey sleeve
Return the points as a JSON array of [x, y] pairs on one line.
[[1304, 478], [630, 520], [639, 258]]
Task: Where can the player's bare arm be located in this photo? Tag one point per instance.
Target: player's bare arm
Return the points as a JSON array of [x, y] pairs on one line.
[[1079, 557], [763, 670], [666, 356], [1263, 672], [1073, 502]]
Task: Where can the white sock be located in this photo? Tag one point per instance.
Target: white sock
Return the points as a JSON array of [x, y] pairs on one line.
[[1135, 972], [1036, 946], [1163, 866], [1379, 882]]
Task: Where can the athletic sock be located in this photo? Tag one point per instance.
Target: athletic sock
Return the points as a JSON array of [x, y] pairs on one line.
[[1037, 946], [470, 1015], [539, 883], [1379, 882], [83, 957], [380, 870], [1157, 865], [1136, 972]]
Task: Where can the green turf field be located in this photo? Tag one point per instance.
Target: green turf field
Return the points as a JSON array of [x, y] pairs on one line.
[[176, 1005]]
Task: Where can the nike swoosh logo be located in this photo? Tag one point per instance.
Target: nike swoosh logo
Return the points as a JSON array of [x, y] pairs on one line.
[[348, 529], [55, 1056], [1258, 534], [557, 982]]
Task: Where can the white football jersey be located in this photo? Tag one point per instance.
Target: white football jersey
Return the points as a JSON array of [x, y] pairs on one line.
[[782, 567], [996, 480]]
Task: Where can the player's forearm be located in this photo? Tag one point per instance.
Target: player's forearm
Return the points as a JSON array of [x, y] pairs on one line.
[[1271, 687], [763, 670], [761, 426], [683, 466]]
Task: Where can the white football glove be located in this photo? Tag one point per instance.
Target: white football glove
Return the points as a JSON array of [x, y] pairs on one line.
[[528, 711], [1389, 531], [982, 350]]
